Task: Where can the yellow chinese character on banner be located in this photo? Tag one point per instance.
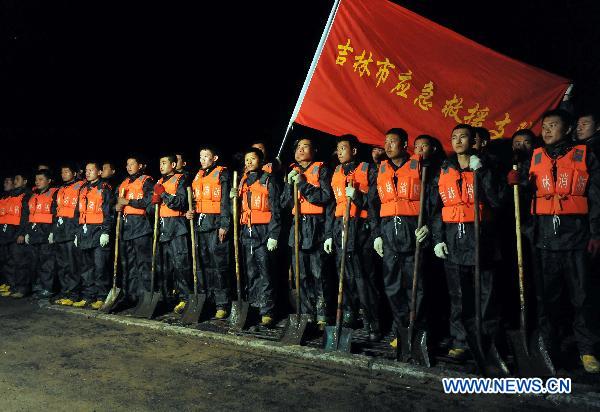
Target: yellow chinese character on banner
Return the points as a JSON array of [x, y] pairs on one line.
[[362, 64], [476, 116], [402, 86], [384, 71], [424, 99], [452, 107], [524, 125], [343, 51], [500, 125]]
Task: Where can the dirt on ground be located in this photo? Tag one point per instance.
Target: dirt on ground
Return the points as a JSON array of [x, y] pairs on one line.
[[55, 361]]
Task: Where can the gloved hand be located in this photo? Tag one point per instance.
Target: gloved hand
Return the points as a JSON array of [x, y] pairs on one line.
[[104, 238], [422, 233], [156, 199], [378, 246], [350, 192], [51, 238], [271, 244], [441, 250], [328, 245], [233, 193], [27, 239], [75, 241], [291, 175], [512, 178], [593, 247], [474, 163], [159, 189]]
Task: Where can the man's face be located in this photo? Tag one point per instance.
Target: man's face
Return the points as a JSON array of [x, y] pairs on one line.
[[377, 154], [41, 182], [8, 184], [133, 166], [394, 146], [479, 143], [107, 171], [586, 127], [66, 174], [345, 153], [180, 162], [304, 151], [423, 148], [554, 130], [19, 182], [522, 144], [261, 147], [92, 173], [461, 141], [252, 162], [166, 166], [207, 158]]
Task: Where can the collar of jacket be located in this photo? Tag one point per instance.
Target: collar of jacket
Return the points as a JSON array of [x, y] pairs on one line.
[[560, 148], [134, 177], [210, 169], [405, 157], [350, 166]]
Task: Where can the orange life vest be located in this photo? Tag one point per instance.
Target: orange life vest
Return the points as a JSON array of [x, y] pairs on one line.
[[458, 201], [133, 191], [40, 206], [566, 194], [359, 178], [312, 177], [401, 199], [3, 207], [67, 198], [207, 191], [258, 212], [14, 205], [90, 204], [171, 188]]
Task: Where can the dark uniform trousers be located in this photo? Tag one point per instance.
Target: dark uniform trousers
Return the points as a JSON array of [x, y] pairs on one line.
[[258, 265], [313, 282], [68, 267], [44, 266], [214, 265], [95, 273], [19, 268], [136, 261], [174, 266]]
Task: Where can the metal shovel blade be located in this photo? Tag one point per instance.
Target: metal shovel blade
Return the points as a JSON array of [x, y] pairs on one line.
[[115, 295], [239, 314], [295, 329], [488, 360], [193, 309], [531, 357], [414, 349], [337, 339], [147, 306]]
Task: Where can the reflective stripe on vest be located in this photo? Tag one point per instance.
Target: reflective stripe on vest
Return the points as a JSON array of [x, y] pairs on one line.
[[312, 177], [207, 191], [40, 207], [90, 205], [339, 181], [564, 195], [170, 186], [401, 199], [133, 191], [67, 199], [14, 206], [258, 212]]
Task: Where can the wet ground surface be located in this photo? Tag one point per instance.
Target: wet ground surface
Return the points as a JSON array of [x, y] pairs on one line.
[[55, 361]]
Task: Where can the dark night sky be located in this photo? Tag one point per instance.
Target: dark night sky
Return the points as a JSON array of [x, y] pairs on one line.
[[83, 80]]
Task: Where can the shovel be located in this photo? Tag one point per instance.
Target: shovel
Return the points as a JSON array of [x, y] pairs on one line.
[[413, 344], [239, 308], [336, 337], [488, 361], [531, 356], [115, 295], [291, 290], [296, 325], [193, 310], [147, 306]]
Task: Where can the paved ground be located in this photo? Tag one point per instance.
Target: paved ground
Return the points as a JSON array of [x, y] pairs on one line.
[[57, 361]]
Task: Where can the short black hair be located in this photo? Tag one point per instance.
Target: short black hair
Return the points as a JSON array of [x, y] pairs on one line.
[[400, 132], [137, 157], [589, 112], [310, 139], [21, 173], [259, 141], [468, 127], [524, 132], [44, 172], [484, 134], [110, 163], [257, 152], [170, 156], [211, 148], [350, 138], [96, 163], [564, 116], [70, 166]]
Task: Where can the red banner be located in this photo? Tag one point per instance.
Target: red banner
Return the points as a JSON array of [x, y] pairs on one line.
[[383, 66]]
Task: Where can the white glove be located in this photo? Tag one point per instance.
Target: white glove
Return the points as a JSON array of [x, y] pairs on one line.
[[441, 250], [474, 163], [51, 238], [271, 244], [350, 192], [378, 246], [27, 239], [104, 238], [328, 245], [291, 175], [75, 241], [233, 193], [422, 233]]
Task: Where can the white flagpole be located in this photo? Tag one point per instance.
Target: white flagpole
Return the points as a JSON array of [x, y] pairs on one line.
[[310, 73]]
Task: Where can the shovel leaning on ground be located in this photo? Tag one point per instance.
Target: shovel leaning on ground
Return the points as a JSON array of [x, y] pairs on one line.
[[115, 295], [296, 325], [147, 306], [336, 337], [193, 309], [413, 343], [239, 308], [530, 353], [485, 354]]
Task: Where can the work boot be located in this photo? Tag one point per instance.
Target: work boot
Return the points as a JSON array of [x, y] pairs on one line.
[[457, 353], [394, 343], [321, 323], [80, 303], [180, 307], [590, 363], [17, 295], [4, 287], [97, 304], [5, 294], [66, 302], [221, 313], [266, 321], [59, 301]]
